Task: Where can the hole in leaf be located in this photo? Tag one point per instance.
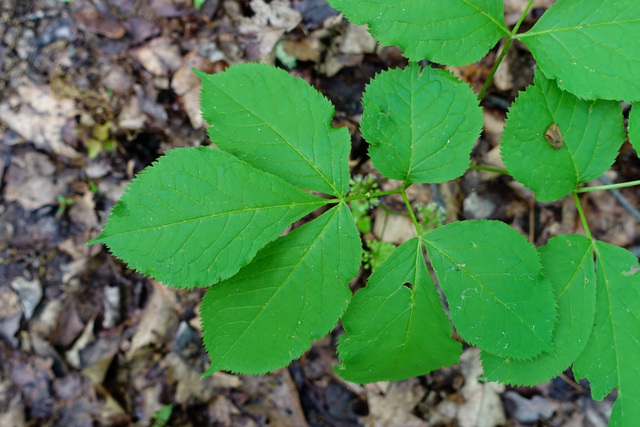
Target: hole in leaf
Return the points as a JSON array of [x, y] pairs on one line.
[[408, 285]]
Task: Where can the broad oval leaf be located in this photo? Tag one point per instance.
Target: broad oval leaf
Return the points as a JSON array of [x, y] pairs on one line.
[[610, 358], [491, 277], [591, 47], [293, 292], [421, 125], [448, 32], [592, 133], [567, 261], [279, 124], [634, 127], [396, 327], [199, 214]]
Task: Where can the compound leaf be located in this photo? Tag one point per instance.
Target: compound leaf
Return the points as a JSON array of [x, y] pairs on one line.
[[421, 125], [592, 47], [293, 292], [592, 133], [278, 124], [448, 32], [610, 358], [396, 327], [634, 127], [491, 277], [567, 261], [199, 214]]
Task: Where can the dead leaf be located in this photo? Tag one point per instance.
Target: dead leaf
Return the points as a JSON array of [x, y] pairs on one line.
[[358, 40], [10, 315], [530, 410], [99, 23], [267, 25], [38, 117], [159, 316], [69, 326], [29, 294], [160, 56], [33, 378], [482, 406], [186, 84], [397, 228], [394, 406]]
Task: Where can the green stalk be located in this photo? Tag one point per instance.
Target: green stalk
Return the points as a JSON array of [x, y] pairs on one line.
[[411, 213], [608, 187], [585, 225], [489, 169], [368, 195], [504, 51]]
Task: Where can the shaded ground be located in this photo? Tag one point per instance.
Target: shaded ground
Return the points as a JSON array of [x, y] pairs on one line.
[[92, 92]]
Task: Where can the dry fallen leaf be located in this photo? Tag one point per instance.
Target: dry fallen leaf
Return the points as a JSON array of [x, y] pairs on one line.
[[38, 117], [482, 406]]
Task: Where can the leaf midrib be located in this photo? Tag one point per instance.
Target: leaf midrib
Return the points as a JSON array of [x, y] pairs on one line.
[[284, 139], [211, 216]]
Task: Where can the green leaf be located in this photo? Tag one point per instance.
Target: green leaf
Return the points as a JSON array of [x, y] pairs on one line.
[[634, 127], [610, 358], [293, 292], [198, 4], [567, 261], [396, 327], [592, 132], [591, 47], [198, 215], [491, 277], [279, 124], [448, 32], [421, 126]]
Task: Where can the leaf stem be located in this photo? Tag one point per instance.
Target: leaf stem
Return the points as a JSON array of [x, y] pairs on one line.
[[495, 68], [504, 51], [526, 10], [489, 169], [368, 195], [585, 225], [608, 187], [411, 213]]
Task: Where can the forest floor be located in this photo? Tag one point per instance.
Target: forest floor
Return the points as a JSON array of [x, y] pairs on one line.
[[92, 92]]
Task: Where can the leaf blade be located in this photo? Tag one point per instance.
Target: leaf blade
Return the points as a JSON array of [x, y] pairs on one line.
[[393, 332], [421, 125], [608, 360], [592, 50], [292, 292], [592, 131], [634, 127], [567, 262], [181, 222], [278, 124], [453, 34], [491, 277]]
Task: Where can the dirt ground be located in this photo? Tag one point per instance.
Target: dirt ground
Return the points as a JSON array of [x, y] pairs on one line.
[[91, 92]]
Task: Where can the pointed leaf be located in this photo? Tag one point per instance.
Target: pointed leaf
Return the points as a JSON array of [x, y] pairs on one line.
[[279, 124], [449, 32], [199, 214], [634, 127], [567, 261], [396, 327], [592, 133], [421, 126], [591, 47], [293, 292], [491, 277], [610, 359]]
